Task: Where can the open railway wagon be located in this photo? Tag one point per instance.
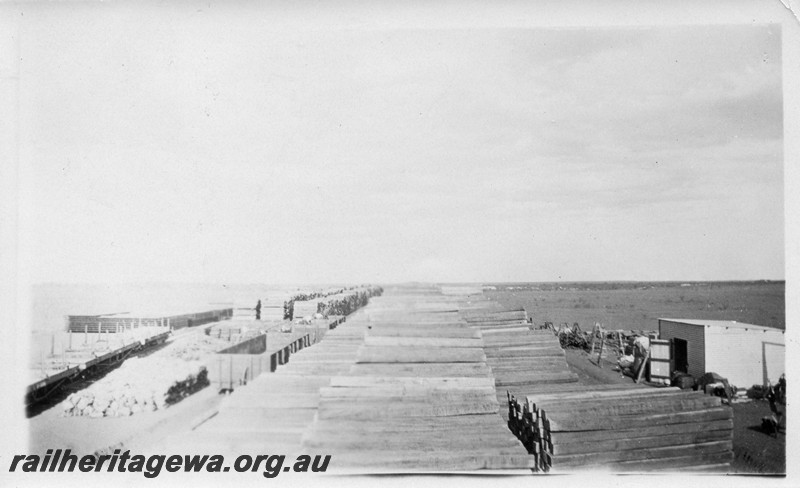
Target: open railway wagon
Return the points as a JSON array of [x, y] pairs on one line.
[[237, 365], [58, 371]]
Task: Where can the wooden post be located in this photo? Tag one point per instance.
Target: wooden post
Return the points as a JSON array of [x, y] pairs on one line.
[[602, 342], [70, 339], [594, 337], [85, 333], [641, 368], [230, 372], [621, 345], [52, 344]]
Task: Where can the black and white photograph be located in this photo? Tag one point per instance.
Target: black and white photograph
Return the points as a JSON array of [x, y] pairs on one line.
[[491, 243]]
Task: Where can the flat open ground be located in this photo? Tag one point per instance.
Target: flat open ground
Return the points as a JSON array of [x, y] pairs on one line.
[[638, 305]]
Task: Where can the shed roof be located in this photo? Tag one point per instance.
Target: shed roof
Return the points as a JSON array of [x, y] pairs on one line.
[[722, 323]]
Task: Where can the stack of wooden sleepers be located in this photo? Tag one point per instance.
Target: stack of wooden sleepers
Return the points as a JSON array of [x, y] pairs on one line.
[[625, 430], [521, 359], [419, 398], [402, 386], [487, 314], [273, 412], [568, 426], [411, 384]]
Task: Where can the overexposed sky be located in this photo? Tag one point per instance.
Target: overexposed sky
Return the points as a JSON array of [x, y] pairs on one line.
[[202, 142]]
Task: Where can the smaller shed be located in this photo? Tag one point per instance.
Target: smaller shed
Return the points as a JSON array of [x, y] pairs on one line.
[[746, 354]]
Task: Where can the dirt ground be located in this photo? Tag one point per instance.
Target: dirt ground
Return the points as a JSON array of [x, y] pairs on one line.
[[590, 374], [755, 451]]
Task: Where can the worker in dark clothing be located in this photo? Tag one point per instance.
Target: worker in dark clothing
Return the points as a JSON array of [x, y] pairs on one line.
[[258, 310], [777, 416]]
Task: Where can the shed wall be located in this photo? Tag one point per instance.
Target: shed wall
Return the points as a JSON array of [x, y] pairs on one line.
[[694, 335], [745, 356]]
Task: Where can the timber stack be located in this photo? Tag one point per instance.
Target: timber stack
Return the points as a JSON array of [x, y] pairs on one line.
[[401, 386], [566, 427], [625, 430], [419, 397], [521, 359], [414, 382], [274, 411]]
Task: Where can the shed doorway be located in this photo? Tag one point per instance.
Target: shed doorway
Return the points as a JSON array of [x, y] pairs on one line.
[[680, 352]]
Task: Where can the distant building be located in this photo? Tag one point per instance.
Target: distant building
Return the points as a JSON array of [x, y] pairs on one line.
[[746, 354]]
